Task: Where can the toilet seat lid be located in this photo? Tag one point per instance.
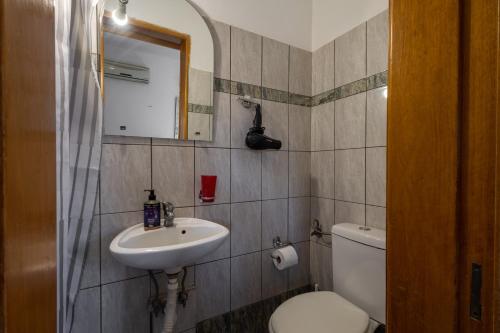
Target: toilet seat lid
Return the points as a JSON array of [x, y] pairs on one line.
[[319, 312]]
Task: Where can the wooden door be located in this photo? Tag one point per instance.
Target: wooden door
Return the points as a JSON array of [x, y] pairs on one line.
[[28, 165], [443, 146], [479, 163]]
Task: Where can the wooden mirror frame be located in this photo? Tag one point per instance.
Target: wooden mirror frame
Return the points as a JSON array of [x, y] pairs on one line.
[[154, 34]]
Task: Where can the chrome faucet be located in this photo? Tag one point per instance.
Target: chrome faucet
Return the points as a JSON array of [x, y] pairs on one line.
[[168, 214]]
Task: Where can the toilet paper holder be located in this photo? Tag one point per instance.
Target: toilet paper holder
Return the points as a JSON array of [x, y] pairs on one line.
[[278, 244]]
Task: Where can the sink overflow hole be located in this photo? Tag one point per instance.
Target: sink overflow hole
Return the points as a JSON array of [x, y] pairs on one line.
[[183, 232]]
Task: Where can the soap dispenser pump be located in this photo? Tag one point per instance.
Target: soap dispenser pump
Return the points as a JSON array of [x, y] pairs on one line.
[[152, 209]]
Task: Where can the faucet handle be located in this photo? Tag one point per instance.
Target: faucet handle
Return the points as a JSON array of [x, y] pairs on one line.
[[168, 208]]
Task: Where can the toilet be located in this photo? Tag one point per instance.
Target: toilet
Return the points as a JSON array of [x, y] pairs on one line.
[[357, 304]]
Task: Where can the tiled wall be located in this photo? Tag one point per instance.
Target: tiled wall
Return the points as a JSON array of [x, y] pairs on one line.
[[331, 168], [348, 136], [260, 195]]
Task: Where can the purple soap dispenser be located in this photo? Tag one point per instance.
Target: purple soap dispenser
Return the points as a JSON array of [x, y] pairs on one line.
[[152, 209]]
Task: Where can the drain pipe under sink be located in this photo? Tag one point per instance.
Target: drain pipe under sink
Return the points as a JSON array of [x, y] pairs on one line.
[[171, 306]]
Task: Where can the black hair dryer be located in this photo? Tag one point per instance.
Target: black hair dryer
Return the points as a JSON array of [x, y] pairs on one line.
[[255, 137]]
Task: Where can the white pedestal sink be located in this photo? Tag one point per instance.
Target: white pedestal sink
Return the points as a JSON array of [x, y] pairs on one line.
[[168, 249]]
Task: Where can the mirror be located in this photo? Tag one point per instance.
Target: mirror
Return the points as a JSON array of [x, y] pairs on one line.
[[157, 65]]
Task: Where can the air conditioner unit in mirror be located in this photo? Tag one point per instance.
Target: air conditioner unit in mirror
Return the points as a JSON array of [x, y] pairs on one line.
[[122, 71]]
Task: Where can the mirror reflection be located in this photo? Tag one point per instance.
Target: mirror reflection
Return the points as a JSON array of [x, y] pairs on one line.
[[157, 79]]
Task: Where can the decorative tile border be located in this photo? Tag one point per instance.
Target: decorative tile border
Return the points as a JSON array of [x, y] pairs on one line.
[[198, 108], [239, 88], [378, 80], [251, 318], [372, 82], [274, 95], [222, 85], [245, 89], [302, 100]]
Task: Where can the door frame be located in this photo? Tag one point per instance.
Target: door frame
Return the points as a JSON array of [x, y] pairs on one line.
[[28, 223]]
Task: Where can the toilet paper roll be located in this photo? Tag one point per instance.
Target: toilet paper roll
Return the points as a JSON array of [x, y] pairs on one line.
[[285, 257]]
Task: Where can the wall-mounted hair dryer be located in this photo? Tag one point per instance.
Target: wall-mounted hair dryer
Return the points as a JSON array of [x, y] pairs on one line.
[[255, 137]]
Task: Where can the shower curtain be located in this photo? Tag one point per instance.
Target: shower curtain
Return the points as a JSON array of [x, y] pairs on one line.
[[79, 127]]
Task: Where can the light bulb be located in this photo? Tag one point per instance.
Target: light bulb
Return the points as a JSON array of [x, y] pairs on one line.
[[119, 15]]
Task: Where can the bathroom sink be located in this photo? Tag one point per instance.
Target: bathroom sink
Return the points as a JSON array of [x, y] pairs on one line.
[[170, 248]]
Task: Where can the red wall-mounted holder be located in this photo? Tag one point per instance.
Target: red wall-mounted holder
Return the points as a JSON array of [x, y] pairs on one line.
[[207, 191]]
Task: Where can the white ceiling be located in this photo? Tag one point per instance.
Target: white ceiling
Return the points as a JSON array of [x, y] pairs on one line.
[[332, 18]]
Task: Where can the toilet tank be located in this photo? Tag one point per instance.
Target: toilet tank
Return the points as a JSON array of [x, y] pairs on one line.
[[358, 255]]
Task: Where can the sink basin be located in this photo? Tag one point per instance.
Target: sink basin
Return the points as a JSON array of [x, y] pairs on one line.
[[168, 249]]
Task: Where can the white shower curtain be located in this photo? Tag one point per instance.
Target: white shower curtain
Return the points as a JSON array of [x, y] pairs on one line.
[[79, 128]]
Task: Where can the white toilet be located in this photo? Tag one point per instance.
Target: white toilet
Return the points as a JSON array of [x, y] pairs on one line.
[[357, 304]]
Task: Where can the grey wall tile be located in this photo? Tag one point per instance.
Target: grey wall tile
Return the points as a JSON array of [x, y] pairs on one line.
[[350, 122], [172, 142], [199, 126], [212, 289], [322, 174], [376, 217], [200, 87], [241, 121], [220, 214], [112, 225], [323, 68], [246, 56], [275, 120], [298, 276], [173, 174], [350, 56], [184, 212], [274, 175], [274, 221], [125, 306], [245, 280], [376, 117], [321, 266], [323, 210], [87, 313], [125, 173], [221, 34], [348, 212], [323, 127], [246, 227], [245, 175], [125, 140], [350, 175], [274, 281], [91, 275], [376, 176], [299, 136], [299, 214], [300, 71], [222, 122], [216, 162], [299, 174], [378, 43], [275, 64]]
